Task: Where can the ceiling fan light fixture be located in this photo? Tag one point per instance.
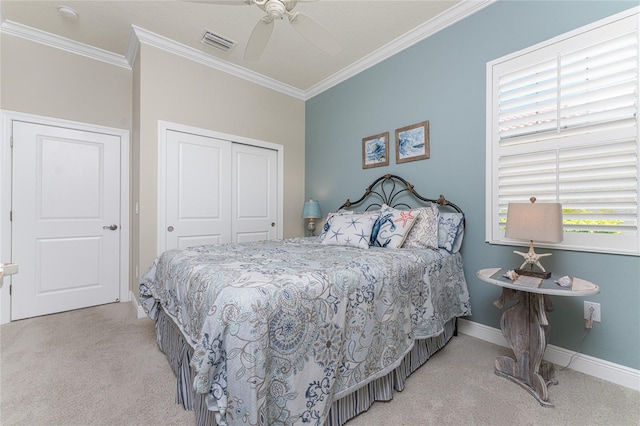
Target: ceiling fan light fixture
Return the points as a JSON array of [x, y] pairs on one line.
[[275, 9], [68, 13], [217, 41]]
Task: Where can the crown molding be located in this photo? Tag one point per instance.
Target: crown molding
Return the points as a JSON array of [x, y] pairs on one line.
[[160, 42], [447, 18], [48, 39], [133, 46], [139, 35]]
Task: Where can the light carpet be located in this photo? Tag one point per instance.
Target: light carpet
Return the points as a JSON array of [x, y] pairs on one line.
[[101, 366]]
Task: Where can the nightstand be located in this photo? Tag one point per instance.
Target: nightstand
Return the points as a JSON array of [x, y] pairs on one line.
[[526, 327]]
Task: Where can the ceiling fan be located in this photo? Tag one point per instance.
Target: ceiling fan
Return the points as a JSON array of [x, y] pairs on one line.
[[279, 9]]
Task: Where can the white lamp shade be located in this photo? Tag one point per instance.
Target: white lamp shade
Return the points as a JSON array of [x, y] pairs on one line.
[[540, 222], [311, 209]]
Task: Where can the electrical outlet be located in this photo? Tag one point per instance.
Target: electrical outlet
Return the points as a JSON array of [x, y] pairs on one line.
[[596, 311]]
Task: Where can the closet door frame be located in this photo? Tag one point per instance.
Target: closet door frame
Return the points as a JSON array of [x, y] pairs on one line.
[[164, 127]]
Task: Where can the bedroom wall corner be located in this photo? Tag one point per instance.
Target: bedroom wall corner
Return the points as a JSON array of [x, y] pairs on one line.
[[174, 89], [135, 272], [442, 79]]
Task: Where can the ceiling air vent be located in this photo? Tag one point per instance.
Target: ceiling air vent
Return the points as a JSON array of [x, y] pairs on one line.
[[217, 41]]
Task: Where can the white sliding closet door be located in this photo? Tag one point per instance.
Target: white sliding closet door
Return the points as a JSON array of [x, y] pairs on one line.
[[198, 190], [216, 191], [255, 193]]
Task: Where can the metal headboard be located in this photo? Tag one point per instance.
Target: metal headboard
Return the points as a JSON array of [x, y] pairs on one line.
[[388, 189]]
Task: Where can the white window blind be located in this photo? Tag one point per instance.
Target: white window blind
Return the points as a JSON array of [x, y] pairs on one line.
[[563, 127]]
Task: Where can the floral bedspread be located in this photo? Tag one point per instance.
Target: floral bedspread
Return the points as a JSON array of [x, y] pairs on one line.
[[280, 329]]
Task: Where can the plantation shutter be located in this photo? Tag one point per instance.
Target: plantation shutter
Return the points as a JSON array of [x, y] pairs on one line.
[[593, 183], [592, 89], [598, 188], [565, 130]]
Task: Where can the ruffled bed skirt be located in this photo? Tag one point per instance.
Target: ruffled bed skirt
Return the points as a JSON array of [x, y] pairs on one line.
[[179, 353]]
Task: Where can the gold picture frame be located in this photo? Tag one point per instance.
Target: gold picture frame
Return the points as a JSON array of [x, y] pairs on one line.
[[375, 151], [412, 143]]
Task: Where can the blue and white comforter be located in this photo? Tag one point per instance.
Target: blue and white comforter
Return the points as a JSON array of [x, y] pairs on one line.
[[280, 329]]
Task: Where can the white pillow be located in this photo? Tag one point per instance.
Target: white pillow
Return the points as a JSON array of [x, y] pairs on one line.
[[450, 231], [327, 222], [424, 233], [392, 227], [352, 230]]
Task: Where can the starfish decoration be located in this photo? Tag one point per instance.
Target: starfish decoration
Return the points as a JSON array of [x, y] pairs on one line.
[[532, 258], [336, 234], [353, 223], [404, 217]]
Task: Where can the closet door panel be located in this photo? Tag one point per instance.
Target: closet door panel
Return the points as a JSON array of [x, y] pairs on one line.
[[254, 193], [198, 190]]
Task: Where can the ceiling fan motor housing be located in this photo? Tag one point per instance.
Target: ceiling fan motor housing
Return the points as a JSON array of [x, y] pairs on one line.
[[275, 9]]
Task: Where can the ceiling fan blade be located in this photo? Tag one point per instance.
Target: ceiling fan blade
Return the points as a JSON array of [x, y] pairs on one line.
[[258, 39], [315, 33]]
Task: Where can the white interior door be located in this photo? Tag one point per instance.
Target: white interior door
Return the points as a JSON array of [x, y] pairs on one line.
[[254, 193], [66, 219], [198, 190]]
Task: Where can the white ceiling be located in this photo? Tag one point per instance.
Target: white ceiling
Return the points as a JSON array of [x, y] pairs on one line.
[[368, 30]]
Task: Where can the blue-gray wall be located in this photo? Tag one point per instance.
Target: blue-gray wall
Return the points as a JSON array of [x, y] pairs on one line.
[[442, 79]]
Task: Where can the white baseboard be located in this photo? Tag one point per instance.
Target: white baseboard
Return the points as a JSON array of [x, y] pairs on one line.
[[140, 313], [615, 373]]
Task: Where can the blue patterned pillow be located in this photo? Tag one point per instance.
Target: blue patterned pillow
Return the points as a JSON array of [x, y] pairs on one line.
[[392, 227], [352, 230], [450, 231]]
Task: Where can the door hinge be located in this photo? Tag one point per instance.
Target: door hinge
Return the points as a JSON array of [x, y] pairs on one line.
[[10, 215], [10, 289], [11, 142]]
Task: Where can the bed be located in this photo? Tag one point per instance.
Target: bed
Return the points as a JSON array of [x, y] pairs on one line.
[[312, 330]]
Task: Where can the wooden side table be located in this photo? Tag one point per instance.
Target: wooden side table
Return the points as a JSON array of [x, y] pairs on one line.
[[526, 327]]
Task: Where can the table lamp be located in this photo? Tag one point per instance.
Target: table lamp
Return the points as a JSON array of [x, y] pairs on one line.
[[311, 211], [541, 222]]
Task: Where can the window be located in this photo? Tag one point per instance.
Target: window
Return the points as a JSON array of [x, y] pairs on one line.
[[562, 126]]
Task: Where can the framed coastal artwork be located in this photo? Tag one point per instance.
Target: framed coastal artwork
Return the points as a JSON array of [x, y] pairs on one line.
[[412, 142], [375, 151]]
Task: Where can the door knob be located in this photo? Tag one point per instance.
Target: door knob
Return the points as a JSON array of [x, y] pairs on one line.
[[273, 224], [170, 229], [112, 227]]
